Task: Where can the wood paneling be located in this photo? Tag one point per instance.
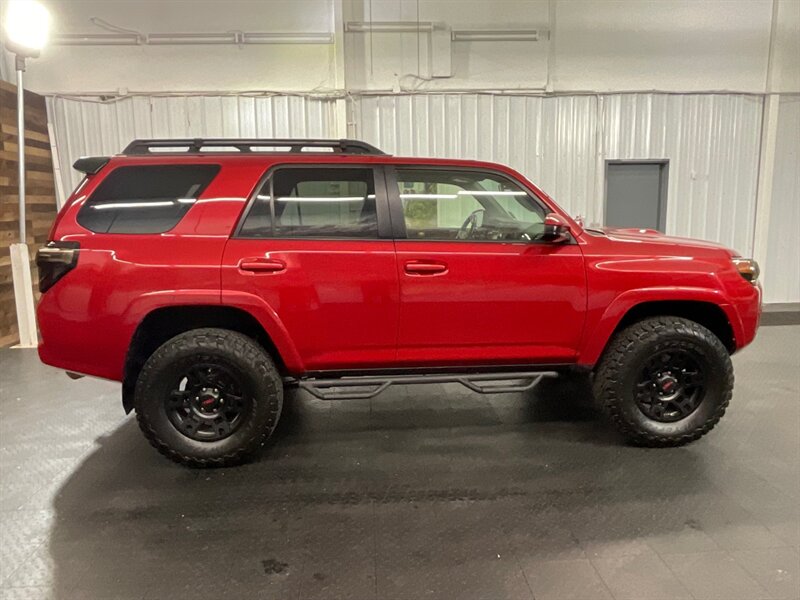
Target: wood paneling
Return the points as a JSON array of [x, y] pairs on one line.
[[40, 198]]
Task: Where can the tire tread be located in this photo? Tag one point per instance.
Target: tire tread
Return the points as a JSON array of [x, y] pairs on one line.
[[613, 363], [227, 341]]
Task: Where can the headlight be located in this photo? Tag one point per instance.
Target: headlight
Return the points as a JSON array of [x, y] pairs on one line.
[[748, 268]]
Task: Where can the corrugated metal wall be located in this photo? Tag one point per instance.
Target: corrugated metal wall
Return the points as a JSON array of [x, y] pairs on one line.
[[86, 128], [712, 142], [561, 143], [782, 272]]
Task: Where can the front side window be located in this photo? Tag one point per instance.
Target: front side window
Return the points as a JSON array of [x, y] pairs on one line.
[[467, 205], [314, 202], [145, 199]]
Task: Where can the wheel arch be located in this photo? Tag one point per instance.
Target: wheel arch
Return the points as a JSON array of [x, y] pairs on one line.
[[164, 323], [718, 317]]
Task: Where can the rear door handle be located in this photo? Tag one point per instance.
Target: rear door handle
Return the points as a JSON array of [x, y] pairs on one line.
[[262, 265], [425, 267]]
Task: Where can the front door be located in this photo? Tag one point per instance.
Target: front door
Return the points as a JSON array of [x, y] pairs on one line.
[[477, 284], [316, 251]]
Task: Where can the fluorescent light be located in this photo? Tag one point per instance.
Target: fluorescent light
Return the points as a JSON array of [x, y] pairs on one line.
[[489, 193], [180, 39], [321, 199], [495, 35], [132, 205], [27, 25], [388, 26], [287, 38], [185, 39], [97, 39], [428, 196]]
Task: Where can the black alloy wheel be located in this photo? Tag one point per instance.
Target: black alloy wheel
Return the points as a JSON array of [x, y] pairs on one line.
[[671, 387], [664, 381], [207, 403], [208, 397]]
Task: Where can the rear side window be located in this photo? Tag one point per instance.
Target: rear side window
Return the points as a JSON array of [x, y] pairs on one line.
[[314, 202], [145, 199]]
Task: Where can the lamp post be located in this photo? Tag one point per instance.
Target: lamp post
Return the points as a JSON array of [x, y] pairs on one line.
[[27, 25]]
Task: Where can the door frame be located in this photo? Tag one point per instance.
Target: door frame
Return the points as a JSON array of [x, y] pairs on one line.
[[382, 205], [663, 191], [397, 214]]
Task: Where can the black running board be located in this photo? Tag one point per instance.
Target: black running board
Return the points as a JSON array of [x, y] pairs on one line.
[[355, 388]]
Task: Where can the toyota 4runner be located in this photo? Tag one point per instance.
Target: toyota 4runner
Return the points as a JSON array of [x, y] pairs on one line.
[[207, 275]]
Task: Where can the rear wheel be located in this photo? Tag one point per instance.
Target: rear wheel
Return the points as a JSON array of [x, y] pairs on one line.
[[208, 397], [664, 381]]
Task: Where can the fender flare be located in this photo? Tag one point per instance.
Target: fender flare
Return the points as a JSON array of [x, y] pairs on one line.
[[268, 319], [596, 337]]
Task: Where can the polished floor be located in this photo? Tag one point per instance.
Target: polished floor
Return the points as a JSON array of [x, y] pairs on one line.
[[425, 492]]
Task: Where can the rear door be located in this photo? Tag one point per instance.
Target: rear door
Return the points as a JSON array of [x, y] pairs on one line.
[[477, 284], [315, 247]]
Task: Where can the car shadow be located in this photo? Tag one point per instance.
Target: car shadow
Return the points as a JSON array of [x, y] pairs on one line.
[[337, 478]]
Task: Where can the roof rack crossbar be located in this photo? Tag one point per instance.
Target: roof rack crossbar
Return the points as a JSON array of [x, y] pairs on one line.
[[197, 145]]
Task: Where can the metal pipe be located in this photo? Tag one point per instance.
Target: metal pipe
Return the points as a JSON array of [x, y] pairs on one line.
[[20, 64]]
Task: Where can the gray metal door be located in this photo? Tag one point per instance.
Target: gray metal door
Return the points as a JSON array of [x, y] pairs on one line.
[[636, 194]]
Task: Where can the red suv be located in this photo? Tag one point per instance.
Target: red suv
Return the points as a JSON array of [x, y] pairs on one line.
[[206, 275]]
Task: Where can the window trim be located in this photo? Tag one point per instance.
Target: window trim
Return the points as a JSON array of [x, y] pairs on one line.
[[399, 219], [381, 203]]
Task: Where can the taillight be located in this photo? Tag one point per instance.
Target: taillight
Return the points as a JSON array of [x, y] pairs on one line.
[[55, 260]]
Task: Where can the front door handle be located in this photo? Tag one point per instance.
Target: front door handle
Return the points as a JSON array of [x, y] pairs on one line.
[[425, 267], [259, 264]]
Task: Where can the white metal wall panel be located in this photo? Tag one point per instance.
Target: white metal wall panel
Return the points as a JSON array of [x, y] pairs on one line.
[[550, 140], [782, 268], [87, 128], [712, 143], [561, 144]]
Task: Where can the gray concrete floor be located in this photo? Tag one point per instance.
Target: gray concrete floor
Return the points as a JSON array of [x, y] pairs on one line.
[[425, 492]]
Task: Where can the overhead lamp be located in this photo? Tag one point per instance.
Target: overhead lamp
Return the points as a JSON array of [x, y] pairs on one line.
[[27, 25], [495, 35], [389, 26], [97, 39], [287, 38], [179, 39]]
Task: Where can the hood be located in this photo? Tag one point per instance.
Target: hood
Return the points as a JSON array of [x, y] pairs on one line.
[[633, 234]]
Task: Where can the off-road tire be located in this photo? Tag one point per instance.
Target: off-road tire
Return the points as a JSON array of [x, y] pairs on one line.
[[237, 352], [615, 377]]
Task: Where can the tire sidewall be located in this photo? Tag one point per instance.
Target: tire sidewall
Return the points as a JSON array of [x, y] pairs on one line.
[[708, 357], [251, 366]]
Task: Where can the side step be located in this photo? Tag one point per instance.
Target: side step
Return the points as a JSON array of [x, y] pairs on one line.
[[354, 388]]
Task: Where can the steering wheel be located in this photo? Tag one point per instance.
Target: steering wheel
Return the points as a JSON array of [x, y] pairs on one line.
[[470, 224]]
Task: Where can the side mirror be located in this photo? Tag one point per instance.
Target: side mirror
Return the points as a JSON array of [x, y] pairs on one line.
[[556, 229]]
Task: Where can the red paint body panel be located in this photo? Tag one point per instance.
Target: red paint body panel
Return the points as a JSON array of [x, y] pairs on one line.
[[495, 303], [357, 304], [336, 299]]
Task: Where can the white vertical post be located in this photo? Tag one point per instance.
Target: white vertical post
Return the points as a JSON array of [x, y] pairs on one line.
[[340, 80], [766, 160], [20, 63], [20, 258], [766, 175], [23, 295]]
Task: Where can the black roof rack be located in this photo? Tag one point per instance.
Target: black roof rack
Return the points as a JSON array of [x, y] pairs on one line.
[[197, 145]]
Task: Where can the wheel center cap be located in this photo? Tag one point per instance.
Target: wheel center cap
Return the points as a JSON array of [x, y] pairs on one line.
[[209, 400], [667, 384]]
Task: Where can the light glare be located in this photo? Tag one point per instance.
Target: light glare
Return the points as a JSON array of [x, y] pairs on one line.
[[27, 25]]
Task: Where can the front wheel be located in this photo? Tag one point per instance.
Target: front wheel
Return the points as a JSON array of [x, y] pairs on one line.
[[664, 381], [208, 397]]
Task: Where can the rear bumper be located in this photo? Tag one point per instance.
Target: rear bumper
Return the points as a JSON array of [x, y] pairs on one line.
[[69, 340]]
